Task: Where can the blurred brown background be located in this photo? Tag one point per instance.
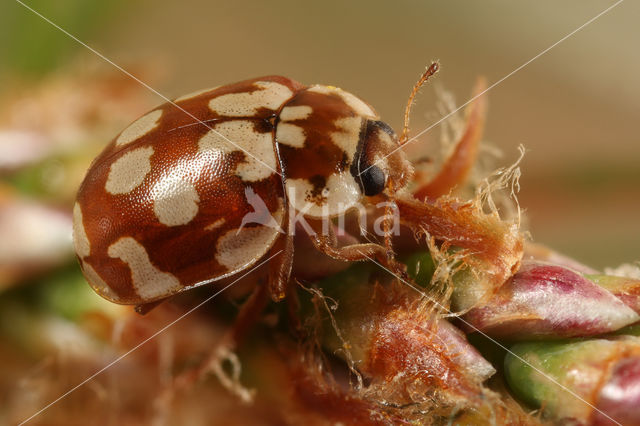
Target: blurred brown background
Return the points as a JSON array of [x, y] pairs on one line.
[[574, 108]]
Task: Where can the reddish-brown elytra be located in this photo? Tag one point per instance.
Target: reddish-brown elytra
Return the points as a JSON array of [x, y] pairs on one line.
[[202, 188]]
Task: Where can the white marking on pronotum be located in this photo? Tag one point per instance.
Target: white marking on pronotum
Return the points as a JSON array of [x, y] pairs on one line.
[[348, 136], [360, 106], [128, 171], [149, 282], [357, 104], [341, 192], [291, 113], [139, 128], [290, 135]]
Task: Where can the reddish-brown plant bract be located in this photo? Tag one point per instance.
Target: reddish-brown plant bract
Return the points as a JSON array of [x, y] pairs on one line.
[[456, 168]]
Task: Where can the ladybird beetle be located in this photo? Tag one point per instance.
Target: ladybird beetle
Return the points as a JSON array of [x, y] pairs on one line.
[[164, 207]]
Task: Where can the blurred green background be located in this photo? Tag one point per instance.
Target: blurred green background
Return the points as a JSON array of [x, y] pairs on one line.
[[574, 109]]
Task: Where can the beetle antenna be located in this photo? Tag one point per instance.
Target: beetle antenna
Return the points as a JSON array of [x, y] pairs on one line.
[[431, 70]]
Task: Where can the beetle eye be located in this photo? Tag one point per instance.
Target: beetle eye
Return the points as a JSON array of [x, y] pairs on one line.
[[372, 180]]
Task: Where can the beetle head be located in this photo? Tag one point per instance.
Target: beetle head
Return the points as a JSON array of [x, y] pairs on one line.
[[379, 166]]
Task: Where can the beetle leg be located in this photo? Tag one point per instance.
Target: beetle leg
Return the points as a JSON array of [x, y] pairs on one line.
[[350, 253], [248, 315], [355, 252], [280, 265], [293, 306], [280, 285], [456, 168], [386, 226]]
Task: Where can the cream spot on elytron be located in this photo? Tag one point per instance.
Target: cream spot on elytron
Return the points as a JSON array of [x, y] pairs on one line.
[[175, 200], [290, 135], [300, 112], [195, 94], [80, 239], [150, 283], [348, 136], [139, 128], [341, 192], [242, 132], [270, 95], [237, 250], [128, 171], [98, 284]]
